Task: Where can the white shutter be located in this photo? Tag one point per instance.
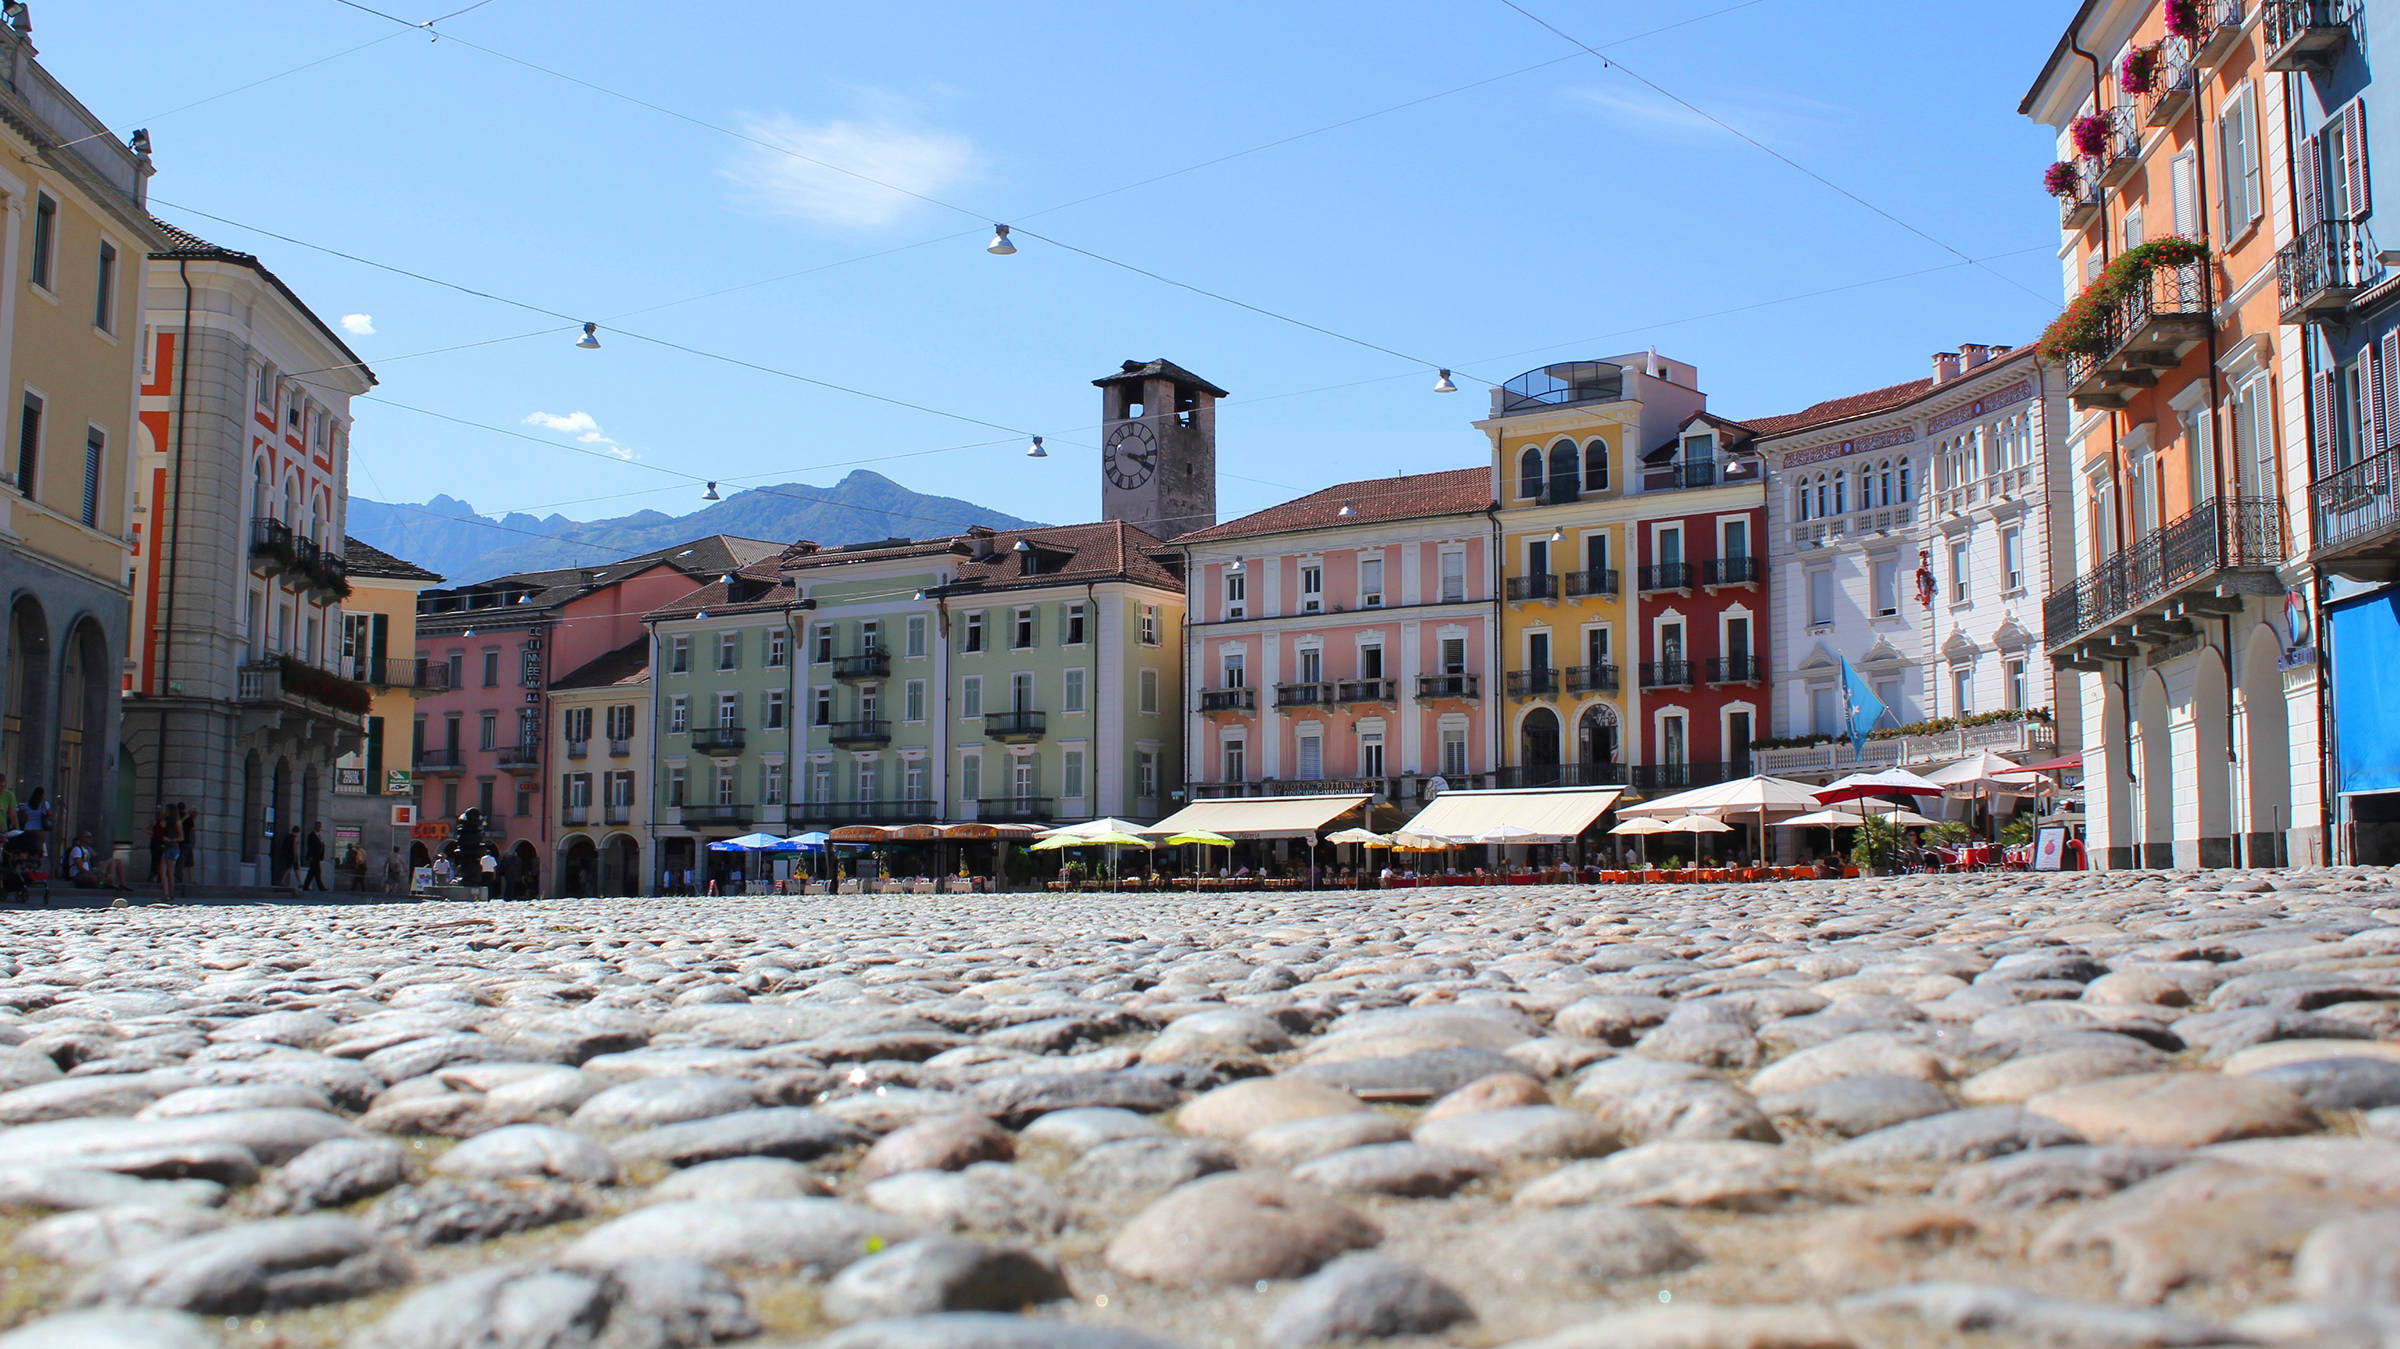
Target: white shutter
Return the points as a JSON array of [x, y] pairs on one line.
[[2354, 156], [2389, 367], [2187, 196]]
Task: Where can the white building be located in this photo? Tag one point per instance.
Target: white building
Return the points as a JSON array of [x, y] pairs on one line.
[[1908, 529]]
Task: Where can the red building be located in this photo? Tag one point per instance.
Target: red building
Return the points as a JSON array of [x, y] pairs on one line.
[[1701, 605]]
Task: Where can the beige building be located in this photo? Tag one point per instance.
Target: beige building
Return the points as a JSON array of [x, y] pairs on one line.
[[72, 239], [374, 790], [601, 713]]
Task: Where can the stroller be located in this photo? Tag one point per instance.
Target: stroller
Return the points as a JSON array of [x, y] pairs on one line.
[[21, 870]]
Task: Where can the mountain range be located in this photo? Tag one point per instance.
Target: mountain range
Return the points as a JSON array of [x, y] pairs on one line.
[[446, 534]]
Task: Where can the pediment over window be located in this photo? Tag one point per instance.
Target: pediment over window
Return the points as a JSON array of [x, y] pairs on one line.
[[1960, 647], [1882, 653], [2010, 635], [1821, 658]]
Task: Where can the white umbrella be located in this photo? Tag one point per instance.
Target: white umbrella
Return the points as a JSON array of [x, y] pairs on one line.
[[1091, 828], [1696, 825], [1368, 837], [1980, 775], [1510, 833], [1644, 825], [1758, 795]]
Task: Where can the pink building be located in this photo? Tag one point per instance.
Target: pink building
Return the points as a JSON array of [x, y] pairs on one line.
[[1345, 641]]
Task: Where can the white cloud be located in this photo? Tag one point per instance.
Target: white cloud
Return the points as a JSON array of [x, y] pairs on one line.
[[359, 325], [1769, 115], [581, 425], [879, 148]]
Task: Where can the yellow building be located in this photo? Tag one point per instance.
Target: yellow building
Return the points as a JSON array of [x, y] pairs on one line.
[[1567, 442], [379, 649], [76, 231]]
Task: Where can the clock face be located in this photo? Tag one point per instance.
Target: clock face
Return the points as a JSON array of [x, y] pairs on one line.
[[1131, 455]]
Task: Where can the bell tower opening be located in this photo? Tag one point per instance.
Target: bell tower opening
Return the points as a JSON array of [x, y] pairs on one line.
[[1158, 448]]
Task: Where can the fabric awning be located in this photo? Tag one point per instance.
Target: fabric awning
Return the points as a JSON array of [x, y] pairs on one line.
[[1259, 816], [1554, 813]]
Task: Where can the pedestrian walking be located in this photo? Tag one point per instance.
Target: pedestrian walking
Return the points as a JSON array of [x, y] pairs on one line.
[[36, 823], [312, 857], [170, 846], [158, 842], [286, 854], [191, 843], [391, 873]]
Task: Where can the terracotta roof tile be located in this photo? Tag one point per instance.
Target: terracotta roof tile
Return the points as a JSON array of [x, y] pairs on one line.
[[628, 664], [1887, 399], [1415, 496]]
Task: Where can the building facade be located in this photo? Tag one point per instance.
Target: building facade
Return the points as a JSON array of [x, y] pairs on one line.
[[237, 703], [71, 307], [603, 734], [722, 730], [1345, 641], [2187, 483], [378, 650], [1909, 535]]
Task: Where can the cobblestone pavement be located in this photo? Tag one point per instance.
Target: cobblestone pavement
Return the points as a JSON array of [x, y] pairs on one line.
[[2151, 1108]]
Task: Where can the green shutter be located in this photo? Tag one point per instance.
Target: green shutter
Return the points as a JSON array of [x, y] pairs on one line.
[[375, 738], [378, 631]]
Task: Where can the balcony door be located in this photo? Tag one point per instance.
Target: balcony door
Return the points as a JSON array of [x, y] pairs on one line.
[[1020, 692], [1737, 646], [1596, 651], [1537, 658], [1312, 668], [1595, 556], [1312, 757], [1454, 655], [1670, 546]]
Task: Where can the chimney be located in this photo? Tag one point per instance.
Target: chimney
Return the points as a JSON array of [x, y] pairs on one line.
[[1945, 366], [1976, 353]]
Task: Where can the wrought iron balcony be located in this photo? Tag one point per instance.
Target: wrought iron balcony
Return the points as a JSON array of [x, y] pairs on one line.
[[872, 663], [1303, 695], [2080, 205], [1676, 777], [2171, 88], [1017, 810], [856, 733], [439, 762], [2166, 315], [620, 749], [1366, 691], [520, 758], [1537, 776], [271, 544], [2357, 523], [2220, 28], [1533, 683], [619, 812], [1229, 700], [575, 814], [1591, 679], [284, 685], [1592, 581], [2304, 34], [1449, 686], [1017, 725], [2120, 154], [1729, 571], [1666, 576], [715, 813], [721, 738], [2151, 590], [579, 749], [1736, 670], [2323, 270], [1542, 587], [1666, 674], [302, 570]]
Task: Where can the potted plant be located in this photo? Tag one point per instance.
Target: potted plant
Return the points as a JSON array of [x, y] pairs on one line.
[[1878, 847], [2083, 328], [2061, 180], [2182, 19], [2089, 135], [2139, 75]]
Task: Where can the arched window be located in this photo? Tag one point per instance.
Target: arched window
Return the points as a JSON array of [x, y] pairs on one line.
[[1595, 466], [1824, 504], [1529, 473], [1800, 502], [1887, 482], [291, 501], [261, 505], [1904, 497], [1841, 492], [1565, 471]]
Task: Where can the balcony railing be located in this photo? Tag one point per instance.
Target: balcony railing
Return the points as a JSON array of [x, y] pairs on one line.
[[720, 738], [1729, 571], [519, 758], [271, 544], [1666, 576], [431, 677], [1303, 695], [1229, 700], [2217, 536], [619, 812], [1366, 691], [2120, 155], [2322, 271], [1736, 670], [2356, 519], [872, 812], [1591, 679], [872, 663], [1592, 581], [848, 733], [1666, 674], [575, 814], [1449, 686], [715, 813], [293, 685], [1017, 810], [620, 749], [1537, 776], [579, 749], [435, 761], [2149, 331], [1533, 683], [1020, 724], [2029, 738], [2080, 205], [1542, 587], [2220, 28], [2171, 88], [2304, 34], [1693, 473], [1676, 777]]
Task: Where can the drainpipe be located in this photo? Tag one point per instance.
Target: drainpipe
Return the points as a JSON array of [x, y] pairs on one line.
[[1091, 635], [159, 539]]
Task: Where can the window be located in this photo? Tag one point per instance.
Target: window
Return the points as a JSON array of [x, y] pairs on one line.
[[1312, 587], [770, 785], [1820, 597], [1073, 624], [491, 667], [1370, 754], [1537, 557], [1800, 502], [576, 725], [2237, 149], [2184, 189], [912, 780], [1148, 683], [1529, 473], [45, 241], [1312, 665], [679, 655], [970, 777], [1145, 775], [822, 783], [1020, 691], [95, 445], [1070, 774], [1905, 498], [524, 799], [1825, 712], [2013, 674], [1149, 625], [489, 734], [869, 781], [1454, 575], [771, 711], [29, 443], [824, 644], [2012, 559], [729, 650], [1237, 669], [821, 708], [1021, 632], [1737, 643], [1887, 589], [1236, 764], [1237, 594], [620, 722], [1370, 582], [450, 798], [104, 290], [1370, 660], [1962, 692], [778, 648], [1312, 756], [1673, 748], [1071, 698], [970, 633], [1454, 751], [1958, 573], [970, 697], [916, 636], [725, 784], [679, 714], [870, 704], [912, 701], [1595, 466], [2199, 453]]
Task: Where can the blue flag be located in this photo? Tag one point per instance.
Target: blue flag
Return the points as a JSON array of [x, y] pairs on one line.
[[1866, 710]]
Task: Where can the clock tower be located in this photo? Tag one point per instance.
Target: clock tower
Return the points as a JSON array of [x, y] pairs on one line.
[[1158, 448]]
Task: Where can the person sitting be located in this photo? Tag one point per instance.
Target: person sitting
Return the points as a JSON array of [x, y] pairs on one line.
[[86, 870]]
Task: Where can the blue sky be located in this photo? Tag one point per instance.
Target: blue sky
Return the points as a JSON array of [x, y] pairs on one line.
[[1560, 212]]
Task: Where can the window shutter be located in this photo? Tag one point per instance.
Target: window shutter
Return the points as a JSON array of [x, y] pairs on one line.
[[2354, 155], [2389, 366], [2312, 189], [374, 782], [378, 634], [2323, 408], [2373, 415], [2187, 195]]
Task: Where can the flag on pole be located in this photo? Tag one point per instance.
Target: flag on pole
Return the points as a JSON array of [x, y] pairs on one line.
[[1866, 711]]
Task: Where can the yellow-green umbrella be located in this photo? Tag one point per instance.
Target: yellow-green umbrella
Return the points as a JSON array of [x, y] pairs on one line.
[[1202, 837]]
